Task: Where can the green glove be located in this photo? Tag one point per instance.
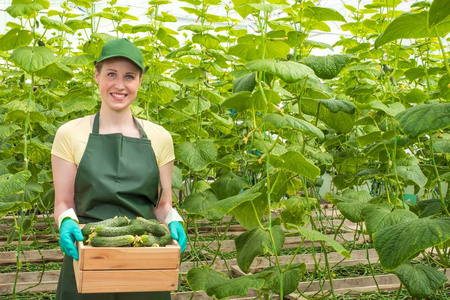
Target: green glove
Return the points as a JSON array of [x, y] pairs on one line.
[[178, 234], [69, 233]]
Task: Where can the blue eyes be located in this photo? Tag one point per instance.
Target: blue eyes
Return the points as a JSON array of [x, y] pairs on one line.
[[112, 75]]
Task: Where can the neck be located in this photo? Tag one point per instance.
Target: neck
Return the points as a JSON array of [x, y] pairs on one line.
[[112, 121]]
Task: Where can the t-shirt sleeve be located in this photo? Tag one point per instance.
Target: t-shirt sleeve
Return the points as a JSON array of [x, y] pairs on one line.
[[62, 145], [166, 152]]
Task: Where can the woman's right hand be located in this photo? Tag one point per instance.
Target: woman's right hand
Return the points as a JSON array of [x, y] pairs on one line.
[[69, 233]]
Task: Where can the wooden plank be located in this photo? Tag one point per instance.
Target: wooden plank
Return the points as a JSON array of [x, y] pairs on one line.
[[26, 279], [33, 237], [117, 281], [290, 242], [33, 256], [130, 258], [259, 263]]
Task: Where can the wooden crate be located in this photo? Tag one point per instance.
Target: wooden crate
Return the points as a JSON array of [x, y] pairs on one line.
[[127, 269]]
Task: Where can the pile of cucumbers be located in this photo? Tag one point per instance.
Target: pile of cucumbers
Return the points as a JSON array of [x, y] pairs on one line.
[[123, 232]]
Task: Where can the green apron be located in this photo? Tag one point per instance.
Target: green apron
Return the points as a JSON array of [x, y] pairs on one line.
[[117, 176]]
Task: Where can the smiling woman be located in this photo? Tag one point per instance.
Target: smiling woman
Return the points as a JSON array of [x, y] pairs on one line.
[[119, 172], [258, 117]]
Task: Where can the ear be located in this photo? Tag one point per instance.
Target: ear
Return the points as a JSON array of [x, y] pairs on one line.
[[96, 76]]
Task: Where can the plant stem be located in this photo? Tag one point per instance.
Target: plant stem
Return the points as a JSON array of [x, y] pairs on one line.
[[399, 291], [327, 266], [441, 196]]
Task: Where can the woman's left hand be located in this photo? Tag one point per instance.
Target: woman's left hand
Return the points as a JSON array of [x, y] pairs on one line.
[[178, 234]]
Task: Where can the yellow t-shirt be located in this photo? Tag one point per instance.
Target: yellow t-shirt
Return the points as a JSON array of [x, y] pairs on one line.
[[72, 137]]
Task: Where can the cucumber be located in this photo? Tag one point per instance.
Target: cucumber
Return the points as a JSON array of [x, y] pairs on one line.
[[114, 241], [148, 240], [135, 229], [111, 222], [152, 226], [154, 241], [164, 240]]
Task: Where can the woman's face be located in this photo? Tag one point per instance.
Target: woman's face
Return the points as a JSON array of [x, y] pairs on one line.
[[118, 80]]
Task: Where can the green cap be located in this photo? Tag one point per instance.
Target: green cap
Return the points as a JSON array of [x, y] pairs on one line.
[[122, 48]]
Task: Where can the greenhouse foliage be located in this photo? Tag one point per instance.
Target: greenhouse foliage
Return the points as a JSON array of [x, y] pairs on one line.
[[256, 120]]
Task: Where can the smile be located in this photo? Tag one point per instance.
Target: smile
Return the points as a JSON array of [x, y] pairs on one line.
[[118, 96]]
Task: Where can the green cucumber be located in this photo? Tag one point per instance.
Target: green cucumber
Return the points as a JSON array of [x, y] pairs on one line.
[[114, 241], [152, 226], [135, 229], [148, 240], [111, 222], [164, 240], [154, 241]]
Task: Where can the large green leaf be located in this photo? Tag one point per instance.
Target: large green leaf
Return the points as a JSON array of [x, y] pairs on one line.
[[295, 162], [38, 152], [228, 185], [424, 118], [290, 276], [439, 11], [267, 7], [196, 155], [79, 60], [347, 195], [14, 183], [391, 109], [31, 59], [196, 28], [412, 173], [7, 207], [244, 83], [242, 7], [249, 214], [443, 84], [293, 123], [245, 100], [411, 26], [18, 10], [322, 14], [431, 207], [421, 280], [338, 114], [257, 242], [198, 203], [235, 287], [289, 71], [327, 67], [15, 38], [54, 24], [401, 242], [352, 209], [56, 71], [316, 236], [225, 206], [6, 130], [296, 211], [380, 216], [77, 24], [440, 146], [78, 103], [202, 278], [245, 51]]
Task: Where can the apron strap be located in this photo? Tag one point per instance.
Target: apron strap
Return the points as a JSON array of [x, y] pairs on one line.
[[96, 126]]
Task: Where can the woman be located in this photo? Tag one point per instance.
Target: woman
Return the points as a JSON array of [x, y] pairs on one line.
[[112, 164]]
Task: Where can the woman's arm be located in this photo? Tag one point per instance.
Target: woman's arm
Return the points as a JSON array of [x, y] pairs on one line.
[[64, 173], [165, 203]]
